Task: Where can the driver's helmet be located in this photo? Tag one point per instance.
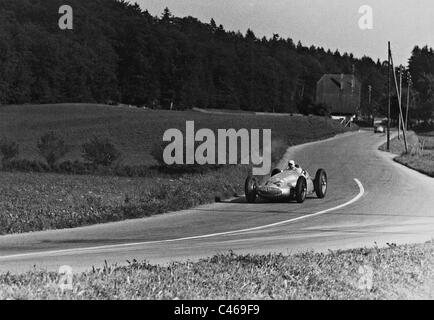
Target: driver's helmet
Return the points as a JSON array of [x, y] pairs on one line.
[[291, 164]]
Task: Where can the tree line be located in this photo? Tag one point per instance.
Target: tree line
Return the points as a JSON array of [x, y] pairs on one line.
[[120, 53]]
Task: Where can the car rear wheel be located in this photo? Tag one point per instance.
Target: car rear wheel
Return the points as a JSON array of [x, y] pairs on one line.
[[250, 189], [301, 190], [320, 183]]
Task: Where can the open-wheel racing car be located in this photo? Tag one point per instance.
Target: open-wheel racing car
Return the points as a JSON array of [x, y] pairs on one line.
[[290, 184]]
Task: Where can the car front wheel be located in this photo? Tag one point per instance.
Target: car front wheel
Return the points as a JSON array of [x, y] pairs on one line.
[[250, 189], [301, 190]]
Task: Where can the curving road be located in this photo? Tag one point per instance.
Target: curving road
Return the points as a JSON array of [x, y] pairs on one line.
[[387, 203]]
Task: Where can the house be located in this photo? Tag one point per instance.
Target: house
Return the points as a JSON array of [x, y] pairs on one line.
[[341, 92]]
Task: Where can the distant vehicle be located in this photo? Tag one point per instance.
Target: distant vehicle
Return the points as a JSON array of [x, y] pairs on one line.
[[380, 125], [290, 185], [379, 128]]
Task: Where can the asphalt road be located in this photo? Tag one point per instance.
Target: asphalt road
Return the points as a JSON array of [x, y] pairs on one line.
[[387, 204]]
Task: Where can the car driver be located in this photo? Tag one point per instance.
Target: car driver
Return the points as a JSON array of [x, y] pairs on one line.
[[293, 166]]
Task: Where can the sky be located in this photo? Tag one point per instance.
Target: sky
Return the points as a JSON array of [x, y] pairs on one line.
[[332, 24]]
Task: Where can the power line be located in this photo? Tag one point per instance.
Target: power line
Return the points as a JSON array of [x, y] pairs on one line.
[[398, 92]]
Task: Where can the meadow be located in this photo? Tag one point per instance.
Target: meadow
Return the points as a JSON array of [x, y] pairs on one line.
[[135, 131], [394, 272], [421, 152], [421, 158], [32, 201]]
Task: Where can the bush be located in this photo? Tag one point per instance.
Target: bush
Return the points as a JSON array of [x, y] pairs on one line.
[[304, 106], [307, 107], [100, 151], [9, 150], [52, 147], [424, 127], [76, 168], [157, 153], [321, 109], [24, 165]]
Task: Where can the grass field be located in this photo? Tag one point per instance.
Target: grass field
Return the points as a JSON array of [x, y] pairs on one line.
[[134, 131], [397, 145], [397, 272], [421, 152], [33, 201], [427, 140]]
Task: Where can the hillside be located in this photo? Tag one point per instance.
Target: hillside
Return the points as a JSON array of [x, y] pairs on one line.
[[32, 201], [117, 52], [135, 131]]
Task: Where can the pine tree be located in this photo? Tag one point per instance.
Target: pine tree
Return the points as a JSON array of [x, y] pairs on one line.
[[166, 16]]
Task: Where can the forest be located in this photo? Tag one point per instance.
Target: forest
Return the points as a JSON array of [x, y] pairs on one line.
[[118, 52]]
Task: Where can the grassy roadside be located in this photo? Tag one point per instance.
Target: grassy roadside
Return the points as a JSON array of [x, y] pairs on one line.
[[423, 163], [34, 202], [421, 152], [396, 272], [41, 201]]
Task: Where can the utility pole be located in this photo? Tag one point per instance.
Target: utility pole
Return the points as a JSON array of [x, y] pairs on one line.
[[353, 84], [370, 105], [388, 95], [408, 99], [400, 101], [398, 92]]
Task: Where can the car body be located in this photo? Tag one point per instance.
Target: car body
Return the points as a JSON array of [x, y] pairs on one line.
[[380, 125], [379, 129], [290, 184]]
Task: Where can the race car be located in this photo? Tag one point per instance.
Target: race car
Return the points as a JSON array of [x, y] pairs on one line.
[[379, 129], [380, 126], [290, 184]]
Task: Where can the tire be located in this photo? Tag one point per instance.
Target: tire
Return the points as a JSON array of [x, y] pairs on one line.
[[301, 190], [320, 183], [275, 172], [250, 189]]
